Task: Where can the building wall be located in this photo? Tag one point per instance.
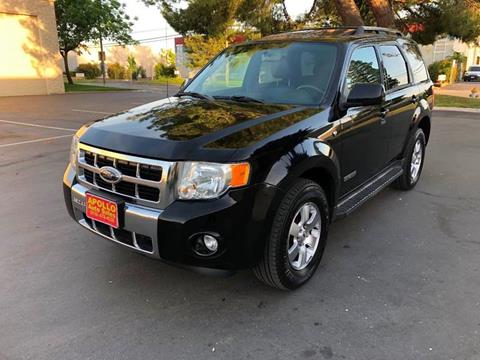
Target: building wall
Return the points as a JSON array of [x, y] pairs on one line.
[[30, 62], [445, 47], [144, 56]]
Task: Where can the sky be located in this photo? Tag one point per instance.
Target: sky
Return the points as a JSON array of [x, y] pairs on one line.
[[152, 29]]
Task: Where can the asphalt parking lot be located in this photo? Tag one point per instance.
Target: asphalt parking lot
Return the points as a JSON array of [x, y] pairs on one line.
[[400, 278]]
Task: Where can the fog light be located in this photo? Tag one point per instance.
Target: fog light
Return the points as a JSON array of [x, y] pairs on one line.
[[210, 243], [205, 244]]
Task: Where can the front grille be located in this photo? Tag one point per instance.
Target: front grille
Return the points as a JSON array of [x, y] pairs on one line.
[[142, 179], [131, 239]]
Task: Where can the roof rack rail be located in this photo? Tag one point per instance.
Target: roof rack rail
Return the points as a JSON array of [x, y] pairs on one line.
[[377, 30], [359, 30]]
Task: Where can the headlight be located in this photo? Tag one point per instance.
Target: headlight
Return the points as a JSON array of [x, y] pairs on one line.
[[74, 151], [202, 180]]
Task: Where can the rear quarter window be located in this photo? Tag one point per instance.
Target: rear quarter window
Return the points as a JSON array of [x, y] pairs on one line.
[[414, 57]]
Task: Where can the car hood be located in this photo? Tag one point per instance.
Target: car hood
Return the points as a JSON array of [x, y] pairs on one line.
[[183, 128]]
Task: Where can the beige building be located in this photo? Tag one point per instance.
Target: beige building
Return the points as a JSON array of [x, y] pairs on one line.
[[30, 63], [443, 48]]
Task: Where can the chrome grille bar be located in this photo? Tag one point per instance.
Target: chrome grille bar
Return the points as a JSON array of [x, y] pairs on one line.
[[142, 191]]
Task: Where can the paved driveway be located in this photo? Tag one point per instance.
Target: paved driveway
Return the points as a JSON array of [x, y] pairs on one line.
[[400, 277]]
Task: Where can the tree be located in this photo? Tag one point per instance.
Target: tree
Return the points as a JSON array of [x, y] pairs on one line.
[[80, 22], [212, 19], [201, 49], [383, 12], [426, 20], [349, 12], [167, 57], [207, 17], [132, 67]]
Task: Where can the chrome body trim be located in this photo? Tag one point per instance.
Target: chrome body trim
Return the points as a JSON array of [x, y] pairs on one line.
[[165, 186], [138, 220]]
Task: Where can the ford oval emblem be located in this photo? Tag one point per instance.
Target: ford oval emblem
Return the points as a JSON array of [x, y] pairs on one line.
[[110, 175]]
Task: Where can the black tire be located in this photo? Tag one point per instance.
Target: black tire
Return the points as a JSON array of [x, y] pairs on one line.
[[275, 269], [406, 181]]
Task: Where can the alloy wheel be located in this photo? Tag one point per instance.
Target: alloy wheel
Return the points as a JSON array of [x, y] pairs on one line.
[[304, 236], [416, 163]]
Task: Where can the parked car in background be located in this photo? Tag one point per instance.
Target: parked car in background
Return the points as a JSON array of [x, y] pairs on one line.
[[247, 166], [472, 74]]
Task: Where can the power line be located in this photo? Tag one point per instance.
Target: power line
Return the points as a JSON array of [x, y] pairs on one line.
[[151, 30], [149, 40]]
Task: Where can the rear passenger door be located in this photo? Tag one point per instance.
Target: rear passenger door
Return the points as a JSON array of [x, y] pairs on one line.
[[400, 98]]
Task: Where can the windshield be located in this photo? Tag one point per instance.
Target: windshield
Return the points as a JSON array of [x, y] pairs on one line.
[[474, 68], [280, 73]]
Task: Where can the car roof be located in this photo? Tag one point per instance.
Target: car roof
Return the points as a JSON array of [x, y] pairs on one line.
[[338, 34]]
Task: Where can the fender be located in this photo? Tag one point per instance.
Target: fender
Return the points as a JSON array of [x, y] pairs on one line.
[[309, 155], [422, 111]]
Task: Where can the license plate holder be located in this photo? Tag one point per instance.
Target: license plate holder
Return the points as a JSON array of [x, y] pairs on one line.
[[106, 209]]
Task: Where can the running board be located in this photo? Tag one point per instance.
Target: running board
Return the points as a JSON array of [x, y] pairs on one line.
[[369, 190]]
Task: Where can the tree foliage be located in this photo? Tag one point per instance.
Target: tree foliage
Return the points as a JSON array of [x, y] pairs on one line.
[[79, 22], [200, 49], [425, 19], [90, 70]]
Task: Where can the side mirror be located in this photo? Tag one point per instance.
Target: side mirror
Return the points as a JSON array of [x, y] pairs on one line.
[[365, 94]]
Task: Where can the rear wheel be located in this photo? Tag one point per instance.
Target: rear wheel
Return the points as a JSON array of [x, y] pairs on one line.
[[413, 165], [297, 239]]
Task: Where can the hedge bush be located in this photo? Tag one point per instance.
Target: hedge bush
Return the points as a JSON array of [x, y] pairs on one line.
[[162, 70], [117, 71], [91, 70], [440, 67]]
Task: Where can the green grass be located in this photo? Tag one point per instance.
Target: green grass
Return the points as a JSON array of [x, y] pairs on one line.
[[456, 101], [82, 87], [163, 81]]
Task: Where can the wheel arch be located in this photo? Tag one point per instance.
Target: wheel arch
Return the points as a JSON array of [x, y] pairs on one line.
[[314, 160], [425, 125]]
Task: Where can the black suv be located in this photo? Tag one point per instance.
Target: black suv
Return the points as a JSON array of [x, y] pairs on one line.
[[253, 159]]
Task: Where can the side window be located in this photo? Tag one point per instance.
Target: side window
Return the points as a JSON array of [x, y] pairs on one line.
[[364, 68], [394, 67], [416, 62]]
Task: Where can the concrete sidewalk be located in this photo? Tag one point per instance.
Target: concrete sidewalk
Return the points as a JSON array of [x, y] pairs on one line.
[[462, 89], [171, 89]]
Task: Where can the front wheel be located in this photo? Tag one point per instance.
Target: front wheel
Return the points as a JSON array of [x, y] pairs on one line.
[[297, 239], [413, 166]]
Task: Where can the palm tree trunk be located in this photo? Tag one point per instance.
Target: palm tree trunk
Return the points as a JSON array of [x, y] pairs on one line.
[[67, 70], [383, 13], [349, 12]]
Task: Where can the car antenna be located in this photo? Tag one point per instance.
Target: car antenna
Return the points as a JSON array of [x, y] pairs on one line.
[[166, 51]]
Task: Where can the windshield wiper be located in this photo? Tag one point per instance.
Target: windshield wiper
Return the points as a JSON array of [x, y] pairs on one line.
[[194, 94], [240, 98]]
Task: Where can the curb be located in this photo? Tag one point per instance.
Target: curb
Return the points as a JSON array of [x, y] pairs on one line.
[[466, 110]]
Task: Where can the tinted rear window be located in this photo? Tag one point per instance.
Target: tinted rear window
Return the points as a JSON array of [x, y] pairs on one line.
[[416, 62]]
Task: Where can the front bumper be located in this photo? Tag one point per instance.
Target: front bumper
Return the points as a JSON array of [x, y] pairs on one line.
[[471, 78], [241, 219]]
